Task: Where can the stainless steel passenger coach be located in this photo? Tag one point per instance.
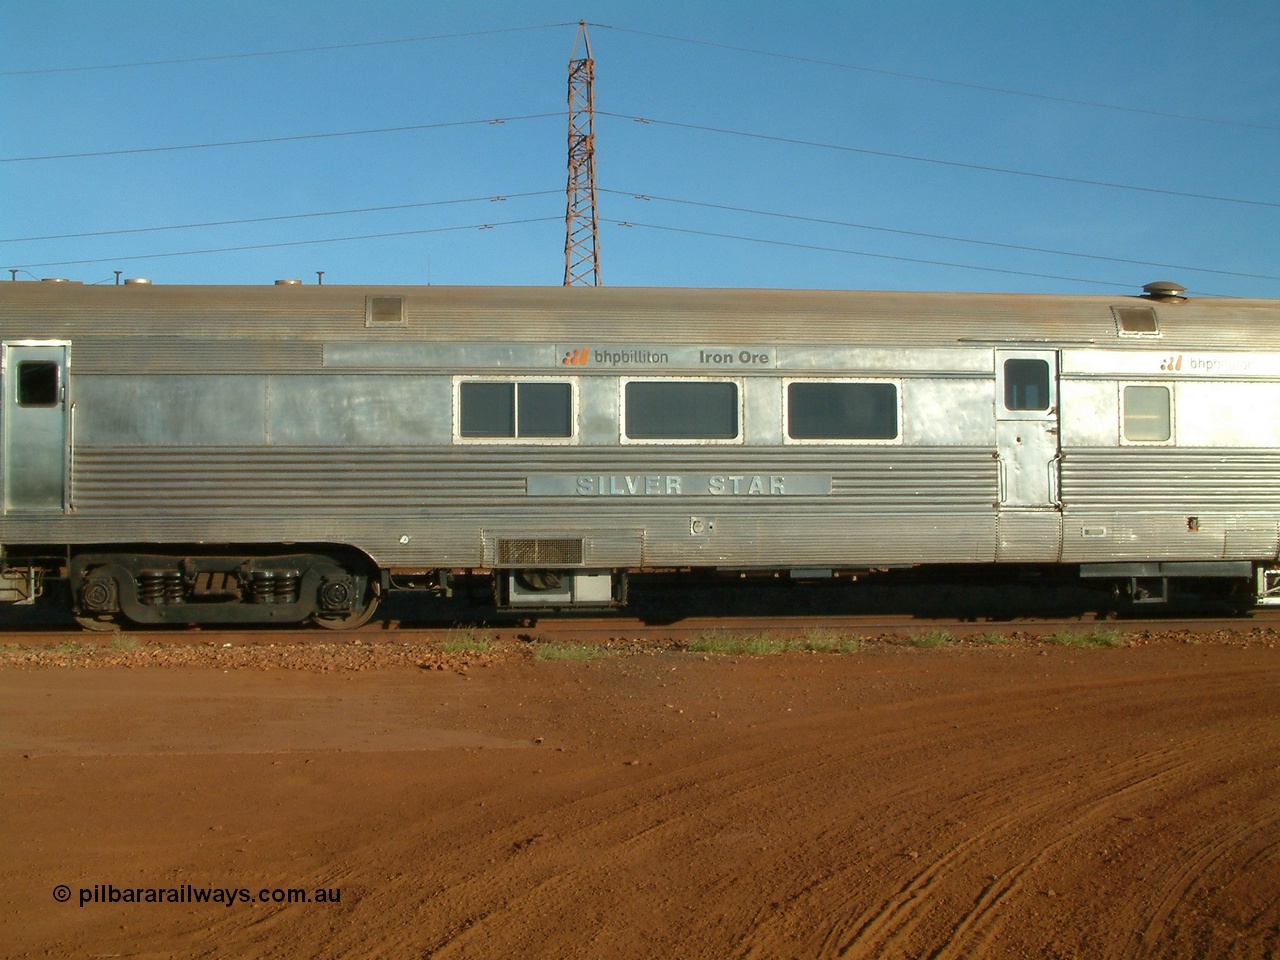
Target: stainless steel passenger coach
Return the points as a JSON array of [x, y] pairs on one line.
[[287, 453]]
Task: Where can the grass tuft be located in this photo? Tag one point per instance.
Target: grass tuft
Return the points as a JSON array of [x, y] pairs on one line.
[[991, 639], [932, 639], [124, 641], [750, 644], [569, 651], [1087, 638], [467, 642], [829, 641]]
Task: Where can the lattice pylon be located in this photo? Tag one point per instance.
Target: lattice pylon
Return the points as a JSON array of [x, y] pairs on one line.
[[582, 234]]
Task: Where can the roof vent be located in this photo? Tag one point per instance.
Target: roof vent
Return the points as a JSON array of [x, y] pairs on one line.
[[57, 280], [288, 283], [137, 282], [1164, 290]]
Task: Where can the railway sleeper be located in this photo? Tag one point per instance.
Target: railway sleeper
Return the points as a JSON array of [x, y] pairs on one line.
[[332, 590]]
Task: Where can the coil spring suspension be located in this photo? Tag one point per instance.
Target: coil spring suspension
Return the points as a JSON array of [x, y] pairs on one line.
[[287, 582], [159, 587], [151, 587], [274, 586], [262, 586]]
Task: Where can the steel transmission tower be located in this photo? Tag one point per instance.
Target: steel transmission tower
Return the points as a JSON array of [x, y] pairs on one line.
[[581, 239]]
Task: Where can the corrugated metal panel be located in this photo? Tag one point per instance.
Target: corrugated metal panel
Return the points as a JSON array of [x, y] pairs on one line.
[[1133, 503], [154, 354], [1133, 479], [1029, 536], [433, 506], [195, 481]]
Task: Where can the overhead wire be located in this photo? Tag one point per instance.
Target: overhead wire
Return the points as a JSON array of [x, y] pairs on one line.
[[280, 53], [288, 243], [493, 121], [794, 141], [877, 256], [283, 217], [653, 121], [645, 197], [938, 236], [900, 75]]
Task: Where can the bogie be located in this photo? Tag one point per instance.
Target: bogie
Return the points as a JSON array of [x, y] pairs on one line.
[[334, 589]]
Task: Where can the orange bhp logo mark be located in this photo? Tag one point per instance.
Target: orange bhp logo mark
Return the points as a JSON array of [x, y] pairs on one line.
[[576, 358], [1172, 364]]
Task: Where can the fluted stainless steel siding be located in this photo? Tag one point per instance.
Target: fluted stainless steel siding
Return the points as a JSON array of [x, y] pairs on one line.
[[1136, 503], [894, 505]]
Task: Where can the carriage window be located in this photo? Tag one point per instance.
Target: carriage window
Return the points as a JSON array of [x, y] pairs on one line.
[[506, 409], [1147, 413], [842, 411], [681, 410], [544, 410], [38, 383], [1026, 385]]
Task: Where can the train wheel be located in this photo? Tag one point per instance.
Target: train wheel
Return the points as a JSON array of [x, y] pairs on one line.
[[349, 621], [100, 623]]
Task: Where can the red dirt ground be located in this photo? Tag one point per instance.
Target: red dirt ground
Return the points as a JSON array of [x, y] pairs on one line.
[[1015, 801]]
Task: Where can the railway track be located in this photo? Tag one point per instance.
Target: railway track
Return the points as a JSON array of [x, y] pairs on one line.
[[406, 623]]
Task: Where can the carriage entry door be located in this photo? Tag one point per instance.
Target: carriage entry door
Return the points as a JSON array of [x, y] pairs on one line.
[[1028, 451], [36, 428]]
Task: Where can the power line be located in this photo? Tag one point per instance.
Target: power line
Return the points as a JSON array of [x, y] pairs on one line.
[[638, 196], [306, 136], [279, 53], [942, 236], [946, 163], [952, 83], [291, 243], [864, 253], [290, 216], [861, 68]]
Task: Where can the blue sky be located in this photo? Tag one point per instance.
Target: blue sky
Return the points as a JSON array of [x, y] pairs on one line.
[[903, 145]]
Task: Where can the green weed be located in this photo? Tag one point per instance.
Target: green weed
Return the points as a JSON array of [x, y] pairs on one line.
[[931, 639], [467, 642], [1087, 638], [569, 651]]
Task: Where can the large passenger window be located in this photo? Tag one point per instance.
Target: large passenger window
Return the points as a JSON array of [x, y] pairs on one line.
[[1026, 384], [504, 409], [842, 411], [681, 410], [38, 384], [1147, 414]]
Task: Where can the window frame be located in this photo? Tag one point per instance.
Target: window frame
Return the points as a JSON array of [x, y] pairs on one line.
[[371, 313], [1127, 441], [1123, 314], [58, 382], [787, 439], [1047, 356], [515, 381], [739, 412]]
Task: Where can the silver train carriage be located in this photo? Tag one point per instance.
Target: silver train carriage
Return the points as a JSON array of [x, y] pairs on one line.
[[290, 453]]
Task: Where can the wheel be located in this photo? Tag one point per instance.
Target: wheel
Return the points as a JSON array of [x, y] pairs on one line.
[[351, 620], [100, 623]]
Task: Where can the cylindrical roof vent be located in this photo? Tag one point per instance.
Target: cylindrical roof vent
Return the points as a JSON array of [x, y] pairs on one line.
[[288, 283], [137, 282], [1165, 290]]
